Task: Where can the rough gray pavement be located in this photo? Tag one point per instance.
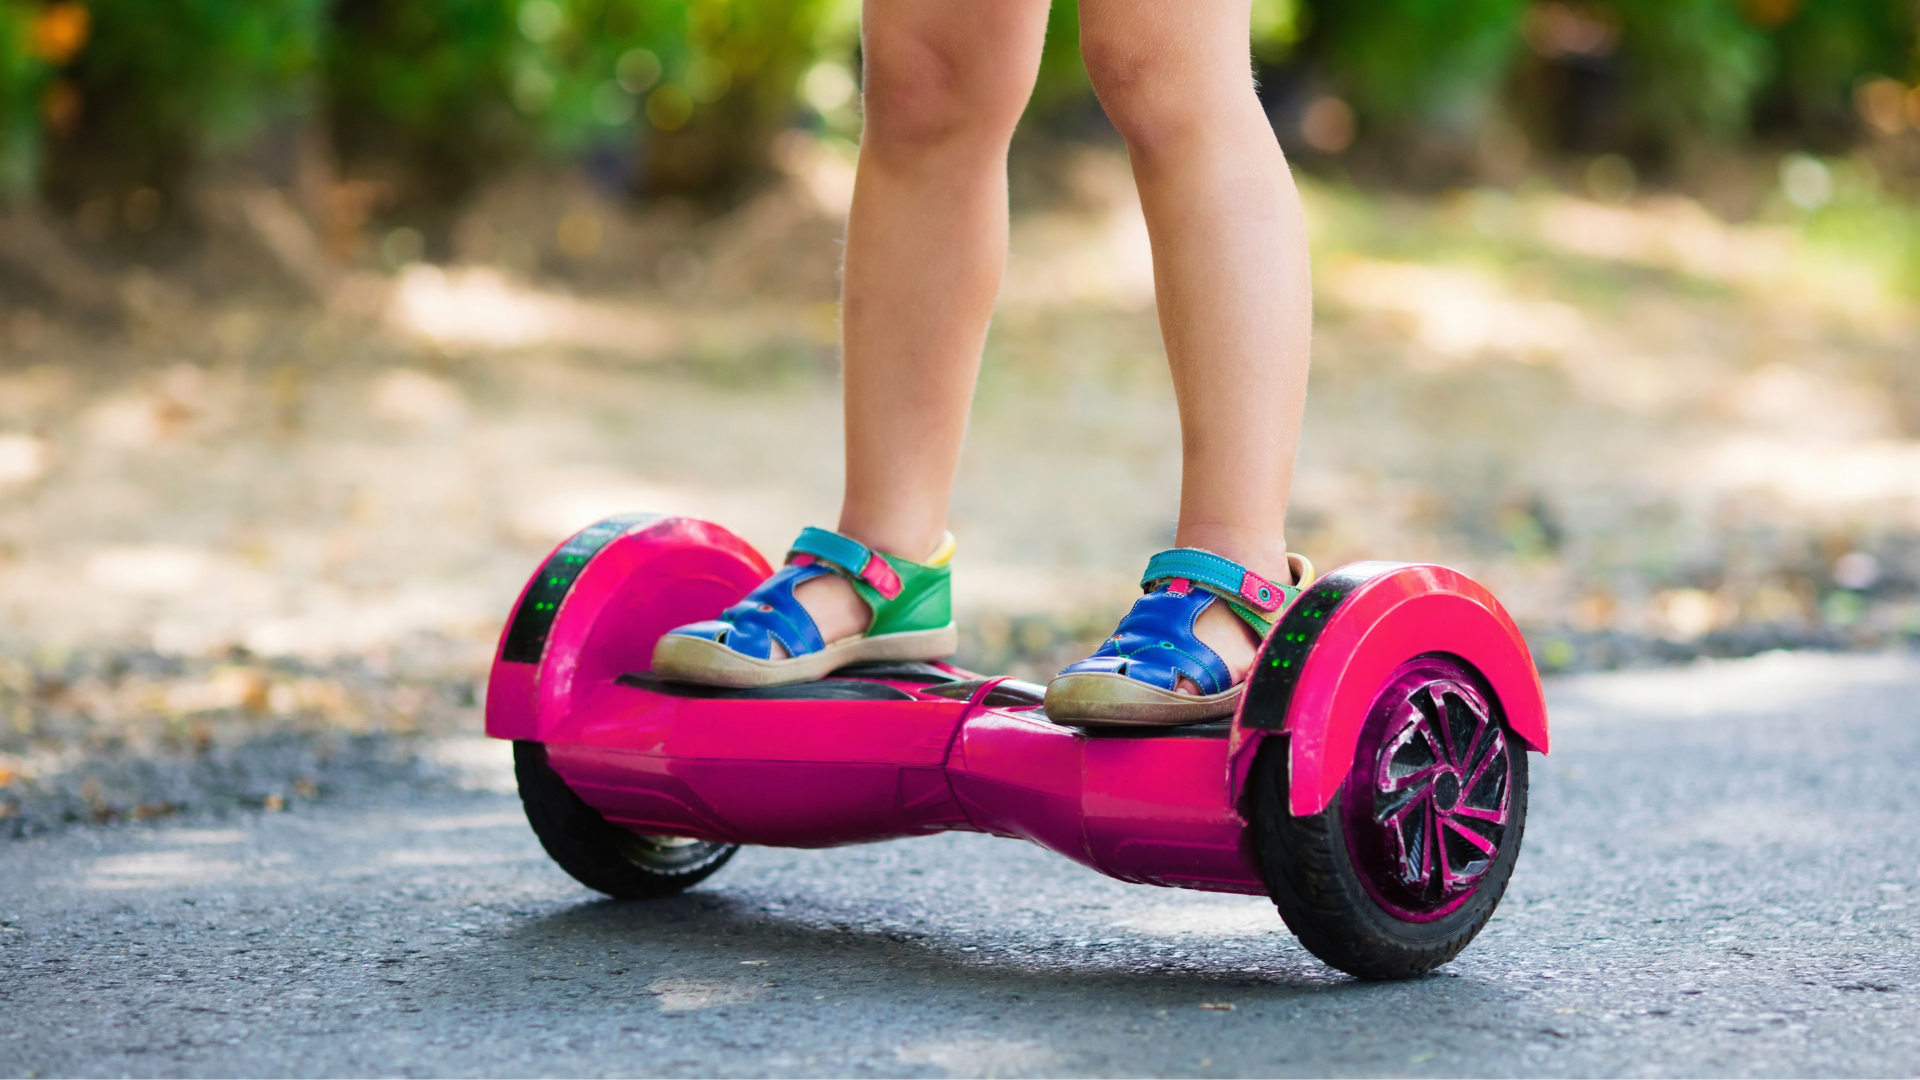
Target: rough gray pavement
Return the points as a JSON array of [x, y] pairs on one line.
[[1720, 879]]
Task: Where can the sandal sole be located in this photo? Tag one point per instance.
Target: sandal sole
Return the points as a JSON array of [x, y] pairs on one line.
[[709, 663], [1102, 698]]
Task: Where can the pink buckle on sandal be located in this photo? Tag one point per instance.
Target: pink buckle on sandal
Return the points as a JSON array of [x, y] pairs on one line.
[[1261, 594], [879, 574]]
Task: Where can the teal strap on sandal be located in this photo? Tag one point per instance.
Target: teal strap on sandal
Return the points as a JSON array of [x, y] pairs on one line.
[[1251, 596]]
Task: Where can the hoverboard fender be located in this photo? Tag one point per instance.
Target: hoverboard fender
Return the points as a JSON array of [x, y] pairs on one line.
[[1320, 670]]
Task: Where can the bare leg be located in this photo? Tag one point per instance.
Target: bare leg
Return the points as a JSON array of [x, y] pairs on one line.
[[1229, 267], [944, 85]]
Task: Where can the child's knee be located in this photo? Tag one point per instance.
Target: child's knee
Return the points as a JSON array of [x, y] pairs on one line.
[[918, 94], [1141, 92], [1158, 96]]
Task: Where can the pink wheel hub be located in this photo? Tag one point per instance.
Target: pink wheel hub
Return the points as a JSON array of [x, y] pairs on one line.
[[1426, 804]]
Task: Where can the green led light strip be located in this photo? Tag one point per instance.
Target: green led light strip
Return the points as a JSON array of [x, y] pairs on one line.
[[533, 619]]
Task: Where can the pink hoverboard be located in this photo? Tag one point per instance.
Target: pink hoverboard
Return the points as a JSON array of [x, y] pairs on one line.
[[1373, 783]]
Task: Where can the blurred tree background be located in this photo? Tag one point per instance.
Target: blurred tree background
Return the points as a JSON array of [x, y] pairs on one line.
[[113, 97], [133, 130]]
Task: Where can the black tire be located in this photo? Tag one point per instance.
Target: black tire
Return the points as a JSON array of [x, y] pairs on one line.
[[1309, 870], [600, 855]]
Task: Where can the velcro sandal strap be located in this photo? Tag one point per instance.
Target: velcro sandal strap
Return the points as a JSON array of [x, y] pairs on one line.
[[848, 555], [1217, 574]]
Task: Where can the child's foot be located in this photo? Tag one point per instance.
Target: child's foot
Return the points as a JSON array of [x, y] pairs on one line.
[[1182, 654], [1231, 638], [834, 603], [835, 608]]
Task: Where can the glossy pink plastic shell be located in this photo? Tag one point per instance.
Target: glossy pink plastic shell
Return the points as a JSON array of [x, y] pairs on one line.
[[1148, 810], [824, 773]]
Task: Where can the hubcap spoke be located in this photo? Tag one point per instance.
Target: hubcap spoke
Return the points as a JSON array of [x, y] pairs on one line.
[[1420, 866], [1491, 817], [1413, 779], [1480, 770], [1389, 811], [1479, 843]]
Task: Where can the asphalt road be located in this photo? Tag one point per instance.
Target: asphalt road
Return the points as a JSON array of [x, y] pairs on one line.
[[1721, 877]]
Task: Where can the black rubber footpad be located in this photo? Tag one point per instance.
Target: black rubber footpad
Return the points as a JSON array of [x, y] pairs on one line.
[[823, 690]]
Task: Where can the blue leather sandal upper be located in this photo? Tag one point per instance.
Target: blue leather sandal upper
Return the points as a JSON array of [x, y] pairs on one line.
[[767, 614], [1155, 645]]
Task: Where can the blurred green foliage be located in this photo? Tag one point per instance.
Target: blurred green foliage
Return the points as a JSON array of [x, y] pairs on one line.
[[1823, 47], [424, 85], [446, 87], [1678, 70], [23, 80], [432, 92], [1063, 79], [686, 94], [1416, 60], [162, 83], [1692, 66]]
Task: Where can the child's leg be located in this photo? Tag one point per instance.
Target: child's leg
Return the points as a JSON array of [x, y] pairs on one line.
[[944, 83], [1230, 271]]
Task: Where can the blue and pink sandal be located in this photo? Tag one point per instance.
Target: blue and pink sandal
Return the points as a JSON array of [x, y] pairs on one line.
[[912, 619], [1134, 677]]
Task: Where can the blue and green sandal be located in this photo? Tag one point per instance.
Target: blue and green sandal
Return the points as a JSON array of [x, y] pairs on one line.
[[1134, 677], [912, 619]]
